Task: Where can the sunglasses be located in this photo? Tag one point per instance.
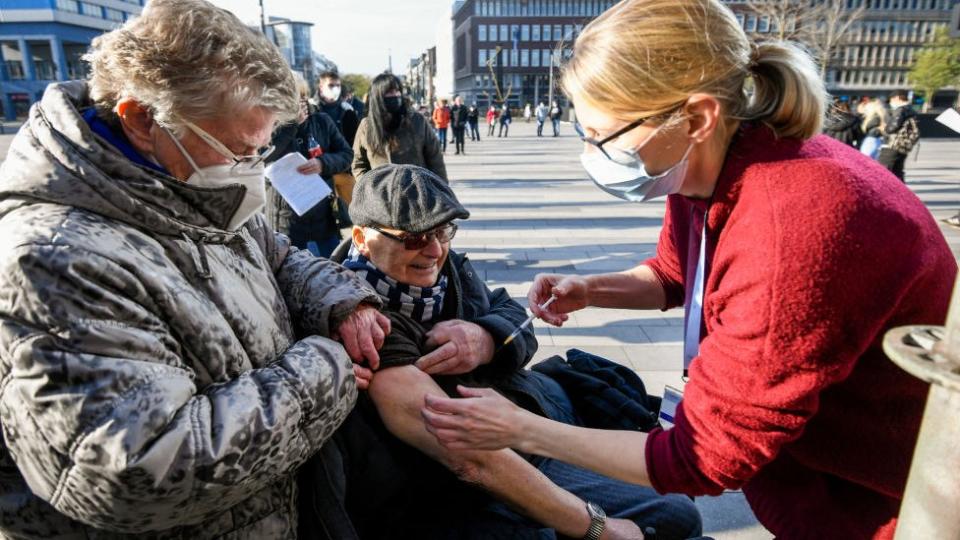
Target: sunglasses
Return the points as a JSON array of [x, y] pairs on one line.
[[412, 242]]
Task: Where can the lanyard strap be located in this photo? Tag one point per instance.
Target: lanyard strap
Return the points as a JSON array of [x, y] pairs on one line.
[[691, 334]]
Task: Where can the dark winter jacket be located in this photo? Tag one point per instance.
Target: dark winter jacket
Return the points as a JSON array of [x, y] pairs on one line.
[[318, 223], [416, 144], [845, 127], [343, 115], [458, 116], [898, 118]]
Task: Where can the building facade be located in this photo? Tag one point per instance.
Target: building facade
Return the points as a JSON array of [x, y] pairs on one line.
[[419, 80], [504, 49], [296, 46], [878, 50], [41, 41]]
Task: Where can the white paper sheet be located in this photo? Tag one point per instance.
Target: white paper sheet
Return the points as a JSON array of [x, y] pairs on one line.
[[951, 119], [301, 191]]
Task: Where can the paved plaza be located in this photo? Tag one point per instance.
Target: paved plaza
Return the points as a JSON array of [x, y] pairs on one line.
[[534, 210]]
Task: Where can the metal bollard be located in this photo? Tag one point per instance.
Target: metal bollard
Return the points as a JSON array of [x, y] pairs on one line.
[[931, 502]]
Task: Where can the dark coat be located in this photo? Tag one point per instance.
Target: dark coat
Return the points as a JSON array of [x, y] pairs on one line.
[[458, 116], [416, 144], [346, 118], [845, 127], [318, 223]]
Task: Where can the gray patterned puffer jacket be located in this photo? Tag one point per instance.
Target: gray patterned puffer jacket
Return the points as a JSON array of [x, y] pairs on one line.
[[160, 377]]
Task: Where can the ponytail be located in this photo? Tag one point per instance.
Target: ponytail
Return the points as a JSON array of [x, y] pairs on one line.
[[788, 94]]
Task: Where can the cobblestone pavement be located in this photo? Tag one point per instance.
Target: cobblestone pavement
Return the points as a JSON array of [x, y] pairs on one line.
[[533, 210]]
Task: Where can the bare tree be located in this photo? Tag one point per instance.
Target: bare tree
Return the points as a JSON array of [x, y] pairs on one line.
[[821, 25], [830, 22], [787, 18]]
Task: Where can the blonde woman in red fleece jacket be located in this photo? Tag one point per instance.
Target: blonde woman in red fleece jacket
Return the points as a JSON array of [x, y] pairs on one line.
[[801, 251]]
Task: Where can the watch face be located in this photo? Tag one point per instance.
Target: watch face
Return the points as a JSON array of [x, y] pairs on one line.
[[595, 510]]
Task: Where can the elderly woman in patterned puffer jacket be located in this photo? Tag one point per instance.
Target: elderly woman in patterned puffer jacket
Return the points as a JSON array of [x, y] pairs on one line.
[[165, 361]]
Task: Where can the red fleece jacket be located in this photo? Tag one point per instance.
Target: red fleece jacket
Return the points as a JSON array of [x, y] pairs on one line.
[[814, 252]]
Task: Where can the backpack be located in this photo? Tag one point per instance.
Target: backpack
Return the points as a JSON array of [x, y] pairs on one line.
[[906, 138]]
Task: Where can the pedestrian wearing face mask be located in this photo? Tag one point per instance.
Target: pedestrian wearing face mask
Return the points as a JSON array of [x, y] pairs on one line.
[[792, 255], [393, 132], [331, 102], [165, 359], [316, 138]]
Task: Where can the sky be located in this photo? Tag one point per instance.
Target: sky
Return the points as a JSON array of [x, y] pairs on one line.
[[357, 34]]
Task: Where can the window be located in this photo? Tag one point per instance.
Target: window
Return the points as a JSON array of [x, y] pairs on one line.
[[492, 33], [504, 34], [482, 58], [751, 23], [567, 32], [70, 6], [113, 14], [92, 10], [536, 32], [482, 32], [514, 57], [514, 32], [477, 81], [547, 36], [764, 24], [557, 36], [545, 57], [525, 32], [740, 19], [524, 57], [535, 58]]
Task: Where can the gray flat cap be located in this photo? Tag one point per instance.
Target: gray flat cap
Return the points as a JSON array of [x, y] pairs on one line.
[[404, 197]]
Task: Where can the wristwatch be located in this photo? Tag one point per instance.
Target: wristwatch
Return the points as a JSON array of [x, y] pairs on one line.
[[598, 521]]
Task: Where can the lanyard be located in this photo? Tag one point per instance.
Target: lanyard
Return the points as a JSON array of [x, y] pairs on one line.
[[691, 334]]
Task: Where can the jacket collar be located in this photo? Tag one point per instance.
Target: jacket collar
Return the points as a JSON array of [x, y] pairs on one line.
[[58, 158]]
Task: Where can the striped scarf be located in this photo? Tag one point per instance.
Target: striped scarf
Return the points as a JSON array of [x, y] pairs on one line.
[[421, 304]]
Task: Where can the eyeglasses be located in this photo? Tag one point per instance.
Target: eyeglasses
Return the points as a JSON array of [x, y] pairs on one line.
[[412, 242], [617, 155], [245, 162]]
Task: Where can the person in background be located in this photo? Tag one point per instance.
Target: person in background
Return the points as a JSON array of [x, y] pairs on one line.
[[166, 360], [843, 125], [458, 123], [441, 121], [792, 255], [491, 120], [875, 118], [473, 122], [900, 134], [541, 118], [394, 133], [527, 113], [330, 101], [556, 113], [315, 137], [355, 102], [506, 118], [446, 325]]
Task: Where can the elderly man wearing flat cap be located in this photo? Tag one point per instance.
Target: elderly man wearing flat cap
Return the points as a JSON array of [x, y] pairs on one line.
[[448, 330]]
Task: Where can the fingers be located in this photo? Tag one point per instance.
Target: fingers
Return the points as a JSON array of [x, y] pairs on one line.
[[363, 376], [348, 336], [445, 405], [366, 343], [311, 167], [439, 334], [430, 362], [384, 322], [470, 392], [437, 421], [540, 292]]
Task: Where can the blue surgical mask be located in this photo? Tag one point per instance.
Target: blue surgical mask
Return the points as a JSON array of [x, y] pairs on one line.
[[627, 177]]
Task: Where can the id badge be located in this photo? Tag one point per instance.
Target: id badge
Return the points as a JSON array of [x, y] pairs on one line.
[[668, 407]]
